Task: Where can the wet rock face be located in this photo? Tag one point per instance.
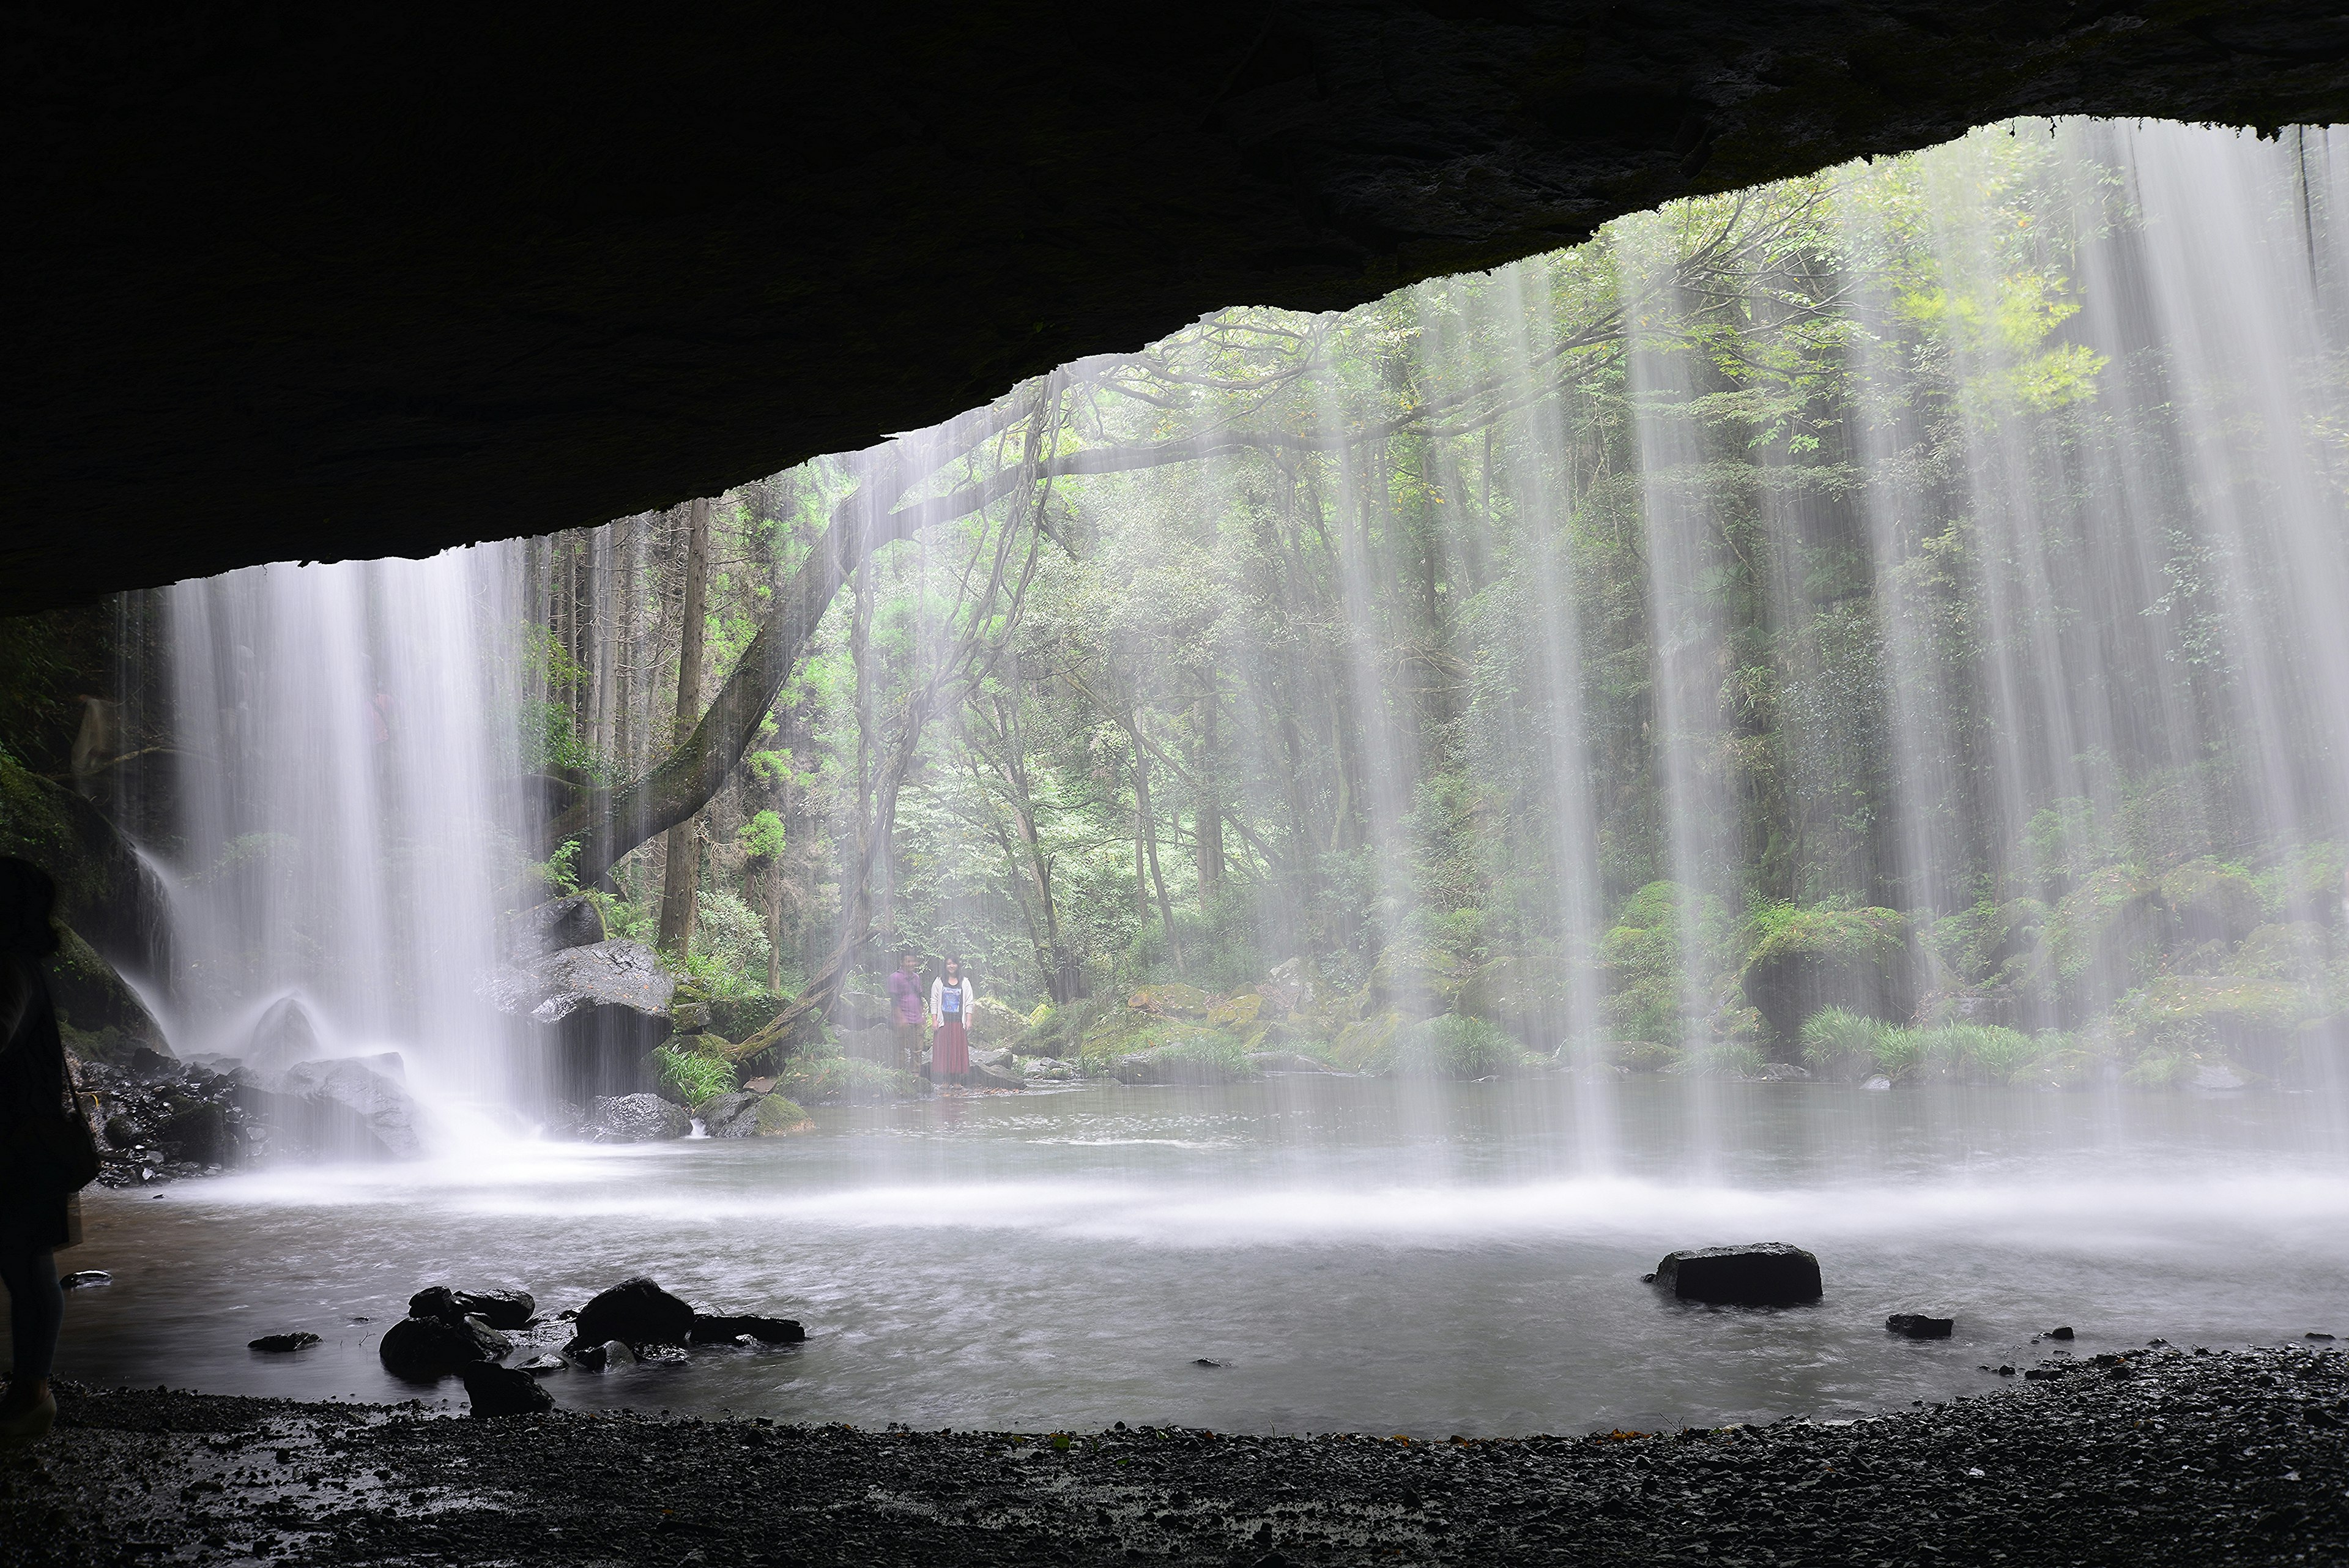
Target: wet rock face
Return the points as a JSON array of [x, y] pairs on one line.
[[635, 1312], [556, 925], [498, 1309], [599, 1008], [636, 1118], [1765, 1273], [502, 1390], [356, 1106], [426, 1349]]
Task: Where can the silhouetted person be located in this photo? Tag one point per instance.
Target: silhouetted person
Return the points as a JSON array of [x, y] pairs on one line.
[[36, 1217]]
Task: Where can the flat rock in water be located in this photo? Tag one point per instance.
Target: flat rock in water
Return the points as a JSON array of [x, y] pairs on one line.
[[503, 1391], [719, 1328], [279, 1342], [636, 1118], [635, 1311], [356, 1105], [1761, 1273], [426, 1349], [84, 1278], [1286, 1061], [1916, 1325], [498, 1309]]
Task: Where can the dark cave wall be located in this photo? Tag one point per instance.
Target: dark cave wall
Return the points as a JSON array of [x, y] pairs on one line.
[[322, 282]]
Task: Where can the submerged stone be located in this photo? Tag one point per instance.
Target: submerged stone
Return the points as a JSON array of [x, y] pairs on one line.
[[278, 1344], [717, 1328], [1764, 1273], [1916, 1325]]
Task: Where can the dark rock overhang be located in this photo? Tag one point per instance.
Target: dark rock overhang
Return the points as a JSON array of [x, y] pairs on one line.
[[318, 282]]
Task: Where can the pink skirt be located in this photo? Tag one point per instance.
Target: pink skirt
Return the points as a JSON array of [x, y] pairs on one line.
[[949, 1050]]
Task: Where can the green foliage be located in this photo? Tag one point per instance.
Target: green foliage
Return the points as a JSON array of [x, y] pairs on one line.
[[689, 1077], [1452, 1046], [731, 938], [558, 871], [1780, 931], [1641, 958], [1833, 1038], [760, 840]]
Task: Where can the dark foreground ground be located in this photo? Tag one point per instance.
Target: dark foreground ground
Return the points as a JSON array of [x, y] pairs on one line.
[[2166, 1457]]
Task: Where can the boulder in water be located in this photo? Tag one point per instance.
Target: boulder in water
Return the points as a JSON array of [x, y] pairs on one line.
[[1916, 1325], [746, 1114], [498, 1309], [1862, 960], [279, 1344], [426, 1349], [1762, 1273], [717, 1328], [503, 1391], [636, 1118], [638, 1311], [284, 1034], [356, 1106], [1286, 1061], [556, 925]]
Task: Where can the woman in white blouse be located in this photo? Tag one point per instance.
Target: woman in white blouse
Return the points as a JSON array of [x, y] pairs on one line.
[[950, 1003]]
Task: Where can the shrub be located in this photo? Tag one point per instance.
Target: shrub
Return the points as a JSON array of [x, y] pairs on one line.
[[1732, 1059], [1836, 1036], [1454, 1046], [689, 1078], [734, 936]]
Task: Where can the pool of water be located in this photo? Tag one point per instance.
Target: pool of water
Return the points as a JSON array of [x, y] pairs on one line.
[[1356, 1254]]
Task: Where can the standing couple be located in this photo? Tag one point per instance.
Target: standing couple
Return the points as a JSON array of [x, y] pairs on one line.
[[951, 998]]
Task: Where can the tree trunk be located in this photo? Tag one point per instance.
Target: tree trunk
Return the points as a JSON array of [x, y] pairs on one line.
[[684, 868], [1150, 843], [1208, 823]]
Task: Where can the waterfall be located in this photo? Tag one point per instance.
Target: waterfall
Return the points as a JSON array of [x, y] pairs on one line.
[[348, 807]]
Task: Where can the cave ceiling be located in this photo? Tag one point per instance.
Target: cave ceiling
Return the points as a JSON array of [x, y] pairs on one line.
[[296, 282]]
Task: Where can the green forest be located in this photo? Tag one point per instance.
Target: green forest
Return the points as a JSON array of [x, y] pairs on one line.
[[1709, 647]]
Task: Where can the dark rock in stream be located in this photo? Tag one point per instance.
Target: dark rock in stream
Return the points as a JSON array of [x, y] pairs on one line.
[[636, 1118], [1915, 1325], [426, 1349], [637, 1312], [1762, 1273], [503, 1391], [720, 1329], [498, 1309]]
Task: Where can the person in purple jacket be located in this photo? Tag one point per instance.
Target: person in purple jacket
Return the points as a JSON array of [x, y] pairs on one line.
[[905, 1010]]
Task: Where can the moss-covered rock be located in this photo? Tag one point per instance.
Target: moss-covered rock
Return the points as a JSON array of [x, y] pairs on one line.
[[1368, 1044], [1862, 961], [1171, 999], [994, 1021], [2295, 950], [2305, 883], [1456, 1046], [104, 893], [2211, 901], [92, 997], [841, 1080], [1527, 997], [2103, 936], [1239, 1012], [1416, 978], [2179, 1022]]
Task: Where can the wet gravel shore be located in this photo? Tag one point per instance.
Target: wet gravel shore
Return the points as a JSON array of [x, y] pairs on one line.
[[2163, 1455]]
